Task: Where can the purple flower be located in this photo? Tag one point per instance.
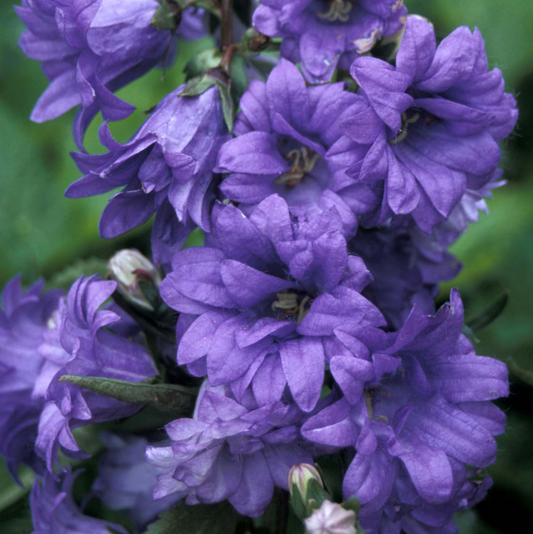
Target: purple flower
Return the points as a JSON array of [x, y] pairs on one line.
[[407, 268], [91, 48], [323, 33], [261, 302], [434, 246], [417, 409], [126, 479], [25, 319], [427, 130], [54, 510], [283, 133], [231, 450], [86, 348], [166, 168]]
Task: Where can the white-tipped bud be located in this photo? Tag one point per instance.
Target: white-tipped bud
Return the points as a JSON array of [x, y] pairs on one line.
[[307, 489], [130, 269], [331, 518]]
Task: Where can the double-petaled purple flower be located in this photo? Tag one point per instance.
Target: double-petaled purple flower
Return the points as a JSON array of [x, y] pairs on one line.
[[86, 347], [167, 167], [234, 450], [261, 302], [54, 510], [25, 319], [326, 34], [417, 409], [283, 133], [91, 48], [427, 129]]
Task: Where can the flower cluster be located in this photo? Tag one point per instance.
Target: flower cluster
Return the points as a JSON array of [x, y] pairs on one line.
[[306, 323], [45, 337], [91, 48]]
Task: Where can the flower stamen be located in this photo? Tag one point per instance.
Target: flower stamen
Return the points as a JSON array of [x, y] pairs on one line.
[[288, 302], [339, 10], [406, 121], [303, 161]]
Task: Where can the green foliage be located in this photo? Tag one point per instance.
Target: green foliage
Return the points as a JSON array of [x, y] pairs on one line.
[[165, 397], [200, 519]]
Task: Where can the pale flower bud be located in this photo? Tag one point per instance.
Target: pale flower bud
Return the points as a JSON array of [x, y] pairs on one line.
[[129, 268], [307, 489], [331, 518]]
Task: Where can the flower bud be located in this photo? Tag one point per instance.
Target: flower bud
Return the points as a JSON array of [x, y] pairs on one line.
[[307, 489], [331, 518], [138, 279], [254, 41]]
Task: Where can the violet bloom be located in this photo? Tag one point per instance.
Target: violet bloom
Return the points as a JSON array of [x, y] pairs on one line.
[[231, 450], [407, 268], [87, 349], [261, 302], [166, 168], [417, 409], [428, 128], [126, 479], [322, 33], [25, 319], [91, 48], [283, 133], [54, 510]]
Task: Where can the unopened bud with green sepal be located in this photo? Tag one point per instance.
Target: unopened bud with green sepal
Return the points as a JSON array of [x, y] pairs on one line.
[[137, 278], [307, 489]]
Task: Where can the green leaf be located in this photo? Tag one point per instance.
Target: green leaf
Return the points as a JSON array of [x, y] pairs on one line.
[[523, 374], [488, 315], [203, 61], [197, 86], [165, 397], [199, 519], [228, 104], [239, 78]]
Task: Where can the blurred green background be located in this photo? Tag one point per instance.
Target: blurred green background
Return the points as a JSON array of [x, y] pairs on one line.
[[42, 233]]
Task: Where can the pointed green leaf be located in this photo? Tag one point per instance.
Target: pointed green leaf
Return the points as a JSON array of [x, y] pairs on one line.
[[228, 104], [198, 519], [197, 86], [489, 315], [165, 397], [239, 78]]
